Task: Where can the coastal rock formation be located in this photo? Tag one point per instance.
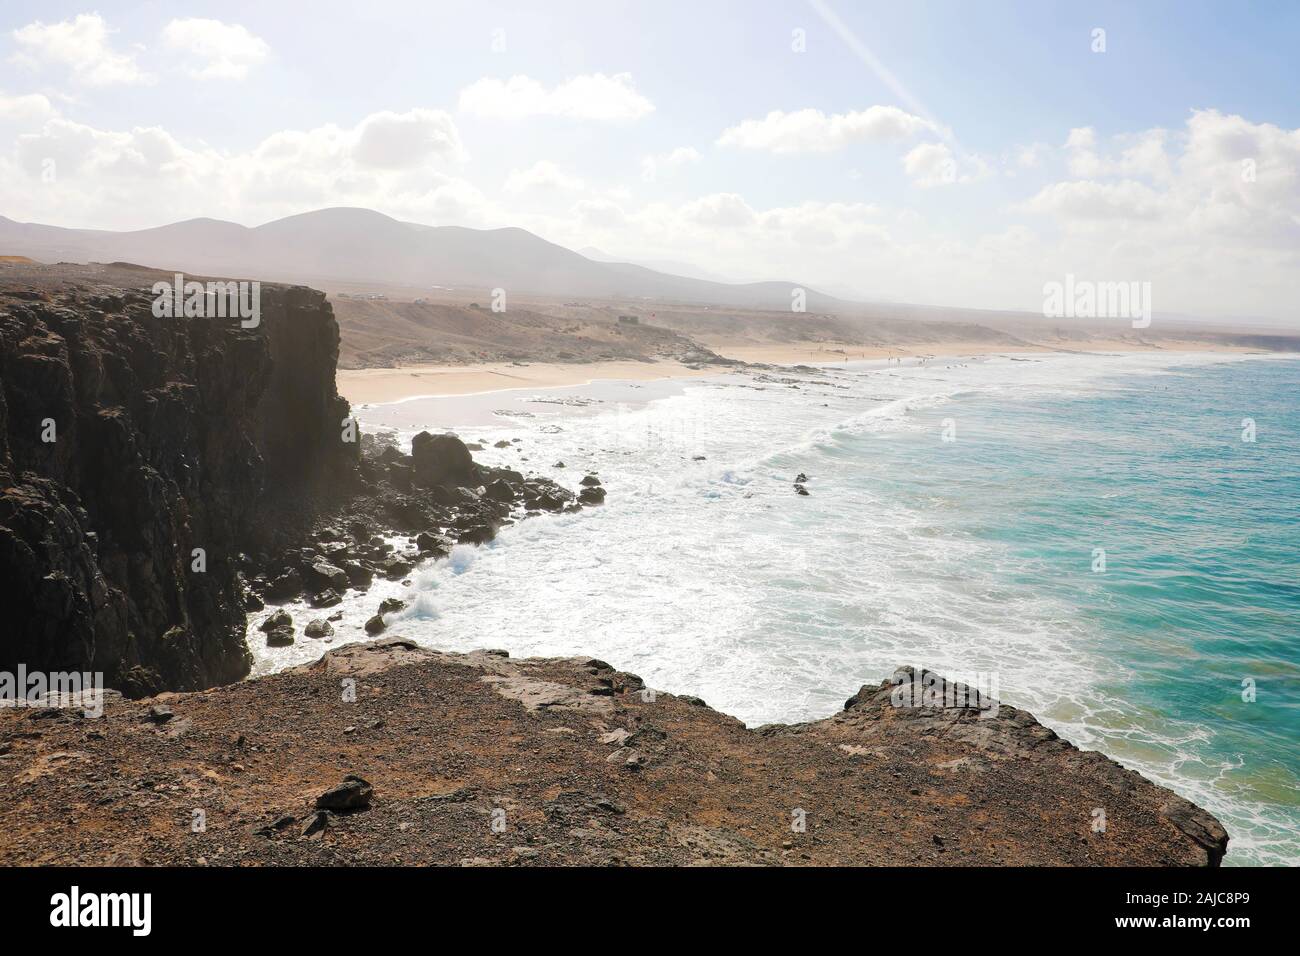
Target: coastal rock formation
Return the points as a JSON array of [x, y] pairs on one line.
[[139, 459], [478, 759], [162, 477]]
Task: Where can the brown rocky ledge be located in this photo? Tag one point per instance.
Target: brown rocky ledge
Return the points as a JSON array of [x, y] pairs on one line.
[[479, 759]]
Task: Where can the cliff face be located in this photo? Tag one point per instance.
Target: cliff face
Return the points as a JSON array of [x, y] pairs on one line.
[[127, 441]]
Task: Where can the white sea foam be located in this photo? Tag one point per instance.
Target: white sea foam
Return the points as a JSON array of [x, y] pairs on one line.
[[711, 577]]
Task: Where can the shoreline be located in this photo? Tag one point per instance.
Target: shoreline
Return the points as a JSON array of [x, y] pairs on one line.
[[382, 386]]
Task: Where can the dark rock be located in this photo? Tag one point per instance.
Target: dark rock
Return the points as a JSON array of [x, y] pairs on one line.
[[800, 490], [354, 793], [442, 460], [395, 568], [359, 576], [160, 713], [279, 823], [476, 532], [389, 605], [327, 598], [139, 682], [280, 618], [316, 823], [286, 587], [546, 497], [173, 434], [323, 575], [589, 481], [592, 496], [435, 544], [279, 637], [376, 625], [318, 629], [500, 490]]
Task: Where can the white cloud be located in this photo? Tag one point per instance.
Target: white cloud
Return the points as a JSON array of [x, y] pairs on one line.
[[725, 210], [1087, 199], [145, 176], [26, 108], [216, 50], [593, 96], [1209, 236], [1224, 174], [388, 140], [812, 131], [681, 156], [82, 45], [931, 164], [599, 214], [1141, 156], [1031, 156], [542, 176]]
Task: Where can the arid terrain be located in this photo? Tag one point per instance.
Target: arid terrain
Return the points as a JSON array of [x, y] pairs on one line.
[[481, 760]]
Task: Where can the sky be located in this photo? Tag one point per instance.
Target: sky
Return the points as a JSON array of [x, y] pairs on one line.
[[950, 153]]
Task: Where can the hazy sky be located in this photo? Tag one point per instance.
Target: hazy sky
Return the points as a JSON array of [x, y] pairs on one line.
[[956, 153]]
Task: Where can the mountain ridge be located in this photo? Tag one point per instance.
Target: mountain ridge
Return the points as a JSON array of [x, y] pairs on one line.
[[354, 244]]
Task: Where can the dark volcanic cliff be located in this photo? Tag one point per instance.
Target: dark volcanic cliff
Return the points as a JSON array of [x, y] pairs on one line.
[[170, 434]]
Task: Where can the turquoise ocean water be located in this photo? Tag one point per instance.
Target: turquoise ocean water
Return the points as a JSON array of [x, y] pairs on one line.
[[707, 575], [1198, 606]]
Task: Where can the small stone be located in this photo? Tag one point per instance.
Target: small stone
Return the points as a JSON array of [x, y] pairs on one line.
[[278, 619], [160, 713], [279, 637], [316, 823], [318, 628], [327, 598], [376, 625], [352, 794]]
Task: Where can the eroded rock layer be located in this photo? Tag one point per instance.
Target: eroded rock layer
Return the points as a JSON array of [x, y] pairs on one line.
[[383, 753], [127, 442]]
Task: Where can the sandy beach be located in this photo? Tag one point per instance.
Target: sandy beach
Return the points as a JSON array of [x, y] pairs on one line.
[[380, 385]]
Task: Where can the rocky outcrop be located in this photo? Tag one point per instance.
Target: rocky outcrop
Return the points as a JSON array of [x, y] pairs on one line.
[[478, 759], [162, 477], [141, 459]]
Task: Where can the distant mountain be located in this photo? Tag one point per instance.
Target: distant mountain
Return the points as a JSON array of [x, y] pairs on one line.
[[360, 245], [668, 266]]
